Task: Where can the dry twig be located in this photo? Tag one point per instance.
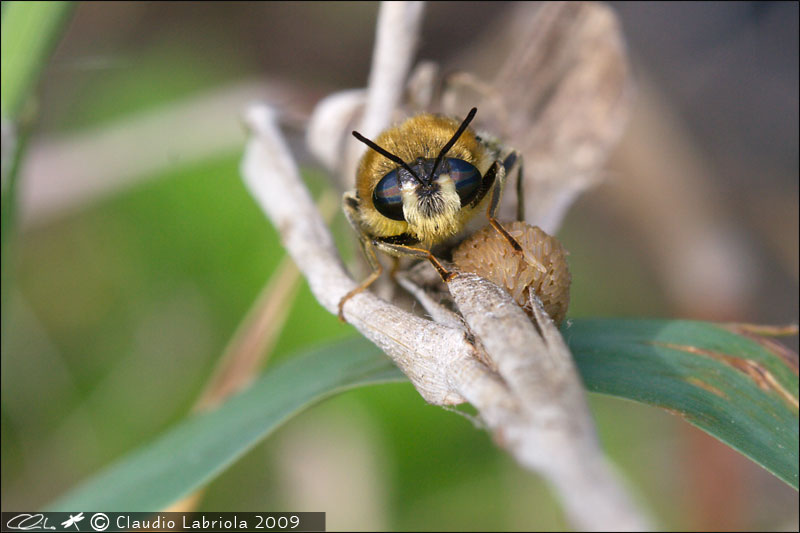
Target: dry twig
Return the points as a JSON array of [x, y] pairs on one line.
[[561, 95]]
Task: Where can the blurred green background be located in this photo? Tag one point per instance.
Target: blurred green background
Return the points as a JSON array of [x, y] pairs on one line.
[[138, 253]]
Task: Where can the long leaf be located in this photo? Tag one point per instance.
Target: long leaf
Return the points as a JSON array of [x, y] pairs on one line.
[[739, 388], [194, 452]]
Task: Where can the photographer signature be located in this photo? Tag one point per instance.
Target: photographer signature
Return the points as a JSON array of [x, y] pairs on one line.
[[28, 522]]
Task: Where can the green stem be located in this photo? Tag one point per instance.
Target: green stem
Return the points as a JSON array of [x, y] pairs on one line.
[[29, 32]]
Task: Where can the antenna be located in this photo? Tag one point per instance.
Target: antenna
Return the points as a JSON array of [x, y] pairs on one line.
[[452, 141], [385, 153]]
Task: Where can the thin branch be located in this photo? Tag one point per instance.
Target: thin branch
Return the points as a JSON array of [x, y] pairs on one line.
[[252, 343], [396, 38], [551, 430], [329, 129]]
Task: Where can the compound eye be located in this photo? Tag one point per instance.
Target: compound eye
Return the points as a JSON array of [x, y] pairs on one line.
[[387, 197], [466, 178]]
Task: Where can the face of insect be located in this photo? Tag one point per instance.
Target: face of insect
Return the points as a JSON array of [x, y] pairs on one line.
[[420, 184], [424, 179]]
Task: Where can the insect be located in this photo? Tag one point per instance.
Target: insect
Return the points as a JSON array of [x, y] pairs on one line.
[[420, 184], [542, 266]]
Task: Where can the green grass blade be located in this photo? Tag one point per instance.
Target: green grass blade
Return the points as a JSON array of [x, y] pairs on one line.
[[29, 33], [199, 448], [737, 388]]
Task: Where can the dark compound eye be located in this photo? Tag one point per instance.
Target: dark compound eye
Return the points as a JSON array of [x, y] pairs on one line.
[[466, 178], [387, 197]]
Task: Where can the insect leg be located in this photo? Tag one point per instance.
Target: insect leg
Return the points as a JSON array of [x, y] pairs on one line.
[[494, 202], [350, 206], [369, 252], [403, 249], [395, 267]]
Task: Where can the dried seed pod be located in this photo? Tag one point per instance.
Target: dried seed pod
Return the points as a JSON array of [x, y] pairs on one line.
[[542, 265]]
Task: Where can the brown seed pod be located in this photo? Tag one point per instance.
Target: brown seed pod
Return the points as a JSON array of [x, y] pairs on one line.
[[542, 265]]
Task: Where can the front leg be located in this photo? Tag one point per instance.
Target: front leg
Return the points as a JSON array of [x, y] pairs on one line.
[[350, 204], [377, 269], [396, 245], [399, 249], [392, 246]]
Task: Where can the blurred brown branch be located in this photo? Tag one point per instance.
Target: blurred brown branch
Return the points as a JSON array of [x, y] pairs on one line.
[[561, 96]]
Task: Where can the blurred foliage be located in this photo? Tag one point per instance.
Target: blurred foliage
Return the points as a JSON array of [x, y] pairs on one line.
[[159, 474], [32, 27], [30, 30], [118, 88], [121, 309]]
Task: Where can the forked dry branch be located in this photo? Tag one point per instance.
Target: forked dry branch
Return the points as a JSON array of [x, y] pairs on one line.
[[517, 373]]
